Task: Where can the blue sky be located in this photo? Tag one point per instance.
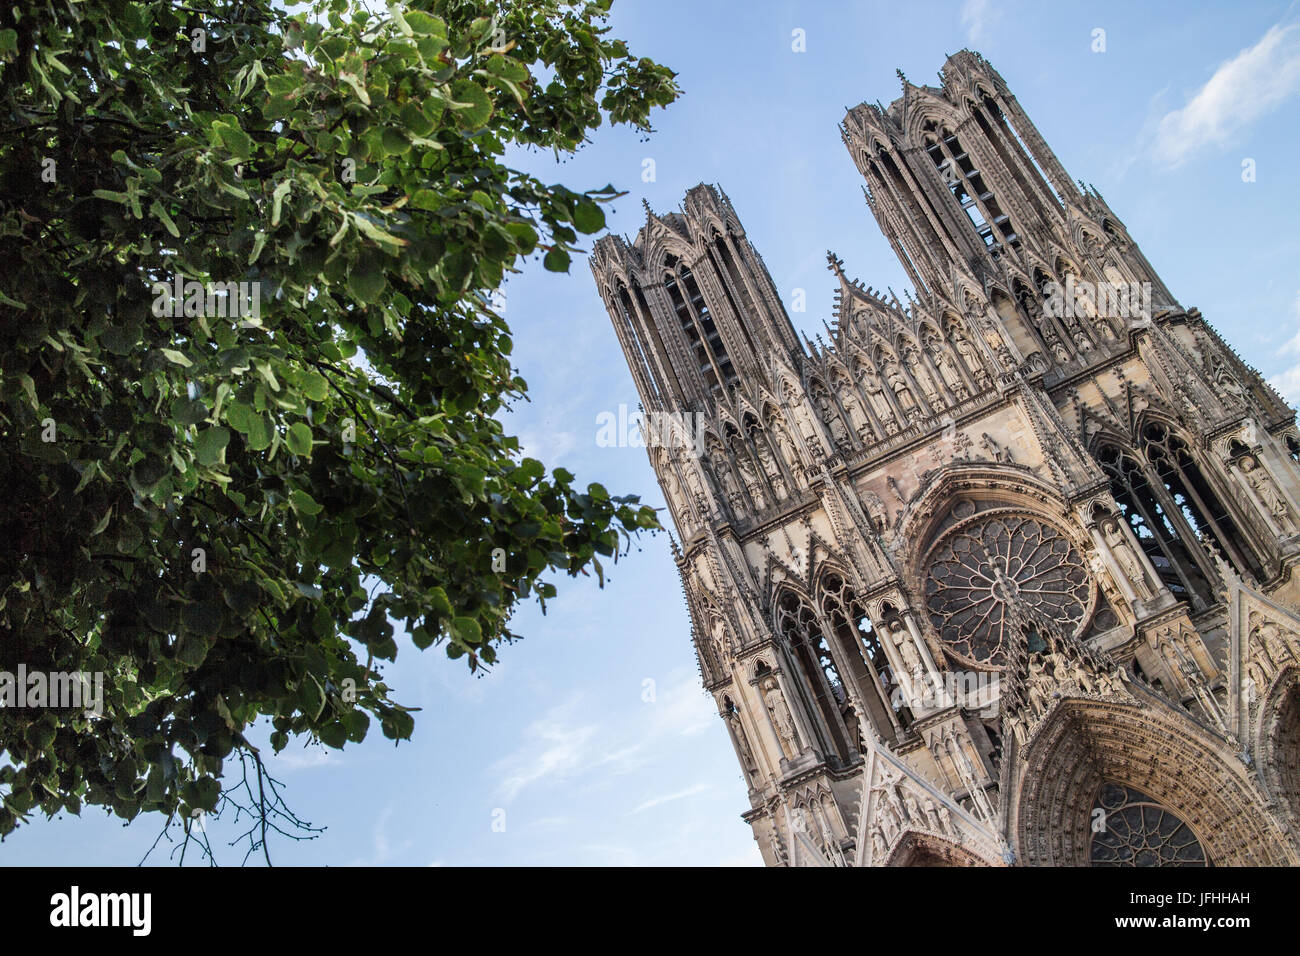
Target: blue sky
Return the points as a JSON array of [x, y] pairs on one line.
[[593, 741]]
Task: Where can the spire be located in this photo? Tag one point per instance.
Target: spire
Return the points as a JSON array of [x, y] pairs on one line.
[[835, 264]]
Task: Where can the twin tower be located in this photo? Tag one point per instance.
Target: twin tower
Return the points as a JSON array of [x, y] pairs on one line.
[[1002, 575]]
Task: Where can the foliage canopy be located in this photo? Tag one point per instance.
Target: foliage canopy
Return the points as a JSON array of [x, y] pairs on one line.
[[224, 504]]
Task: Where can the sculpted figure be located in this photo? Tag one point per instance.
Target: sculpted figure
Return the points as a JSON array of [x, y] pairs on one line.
[[947, 367], [781, 720], [906, 401], [1124, 556], [751, 481], [785, 445], [1263, 486], [832, 419]]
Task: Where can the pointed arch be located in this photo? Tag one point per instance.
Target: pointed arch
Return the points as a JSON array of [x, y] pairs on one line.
[[819, 678], [1085, 744], [916, 849]]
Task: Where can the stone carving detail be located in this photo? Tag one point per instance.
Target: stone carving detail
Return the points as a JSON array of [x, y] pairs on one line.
[[1253, 473], [782, 721]]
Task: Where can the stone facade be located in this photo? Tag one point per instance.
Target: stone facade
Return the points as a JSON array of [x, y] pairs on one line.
[[1002, 574]]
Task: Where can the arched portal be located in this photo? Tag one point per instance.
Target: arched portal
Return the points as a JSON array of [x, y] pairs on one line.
[[1280, 740], [924, 849], [1165, 758]]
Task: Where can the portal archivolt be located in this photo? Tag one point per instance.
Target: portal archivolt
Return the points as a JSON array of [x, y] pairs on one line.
[[1170, 775]]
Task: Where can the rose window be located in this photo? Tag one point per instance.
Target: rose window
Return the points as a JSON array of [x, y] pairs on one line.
[[1131, 829], [989, 561]]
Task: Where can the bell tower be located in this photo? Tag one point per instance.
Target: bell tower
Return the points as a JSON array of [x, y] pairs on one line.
[[995, 562]]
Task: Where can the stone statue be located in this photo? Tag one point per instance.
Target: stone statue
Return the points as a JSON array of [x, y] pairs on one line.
[[921, 375], [857, 418], [906, 401], [785, 445], [913, 809], [947, 368], [995, 451], [725, 478], [750, 479], [1128, 562], [832, 419], [770, 468], [781, 720], [1263, 486], [871, 384]]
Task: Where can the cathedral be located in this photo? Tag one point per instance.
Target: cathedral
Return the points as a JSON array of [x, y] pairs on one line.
[[1000, 575]]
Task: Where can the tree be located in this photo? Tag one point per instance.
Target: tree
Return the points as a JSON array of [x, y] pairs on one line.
[[250, 367]]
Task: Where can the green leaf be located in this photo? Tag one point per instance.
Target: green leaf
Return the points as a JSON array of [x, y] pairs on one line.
[[233, 138], [557, 260], [333, 735], [161, 214], [588, 217], [315, 386], [277, 199], [260, 432], [425, 24], [466, 630], [471, 103], [210, 446], [303, 503], [395, 144], [298, 439], [366, 282], [177, 357]]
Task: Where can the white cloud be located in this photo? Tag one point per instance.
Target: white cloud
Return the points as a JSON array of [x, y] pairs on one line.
[[560, 746], [1288, 382], [306, 758], [670, 797], [554, 747], [680, 709], [751, 857], [549, 445], [1249, 86], [975, 17]]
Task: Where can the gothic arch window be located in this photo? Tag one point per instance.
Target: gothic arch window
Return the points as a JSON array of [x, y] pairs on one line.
[[1131, 829], [820, 675], [887, 174], [1148, 510], [1293, 448], [698, 326], [641, 354], [1191, 493], [733, 280], [996, 116], [861, 648]]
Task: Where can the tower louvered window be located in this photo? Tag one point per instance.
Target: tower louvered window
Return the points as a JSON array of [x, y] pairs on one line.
[[699, 327], [966, 182]]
